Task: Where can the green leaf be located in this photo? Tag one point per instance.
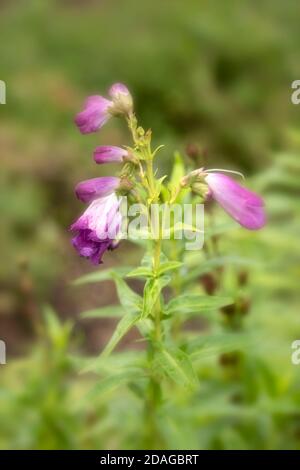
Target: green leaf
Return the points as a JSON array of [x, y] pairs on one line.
[[130, 300], [140, 272], [124, 325], [157, 150], [180, 227], [210, 345], [117, 362], [52, 322], [158, 184], [59, 333], [178, 170], [190, 303], [110, 383], [152, 290], [108, 311], [103, 275], [169, 266], [176, 365]]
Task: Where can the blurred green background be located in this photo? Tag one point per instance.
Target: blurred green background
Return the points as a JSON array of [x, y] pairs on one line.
[[208, 75]]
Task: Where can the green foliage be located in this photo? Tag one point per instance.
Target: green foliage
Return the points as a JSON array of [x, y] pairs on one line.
[[194, 303], [176, 365]]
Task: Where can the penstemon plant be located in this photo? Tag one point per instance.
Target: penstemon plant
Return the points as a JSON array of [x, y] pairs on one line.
[[168, 298]]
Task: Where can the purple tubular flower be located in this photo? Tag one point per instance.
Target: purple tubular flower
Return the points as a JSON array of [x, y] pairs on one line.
[[94, 188], [106, 154], [97, 228], [94, 115], [244, 206]]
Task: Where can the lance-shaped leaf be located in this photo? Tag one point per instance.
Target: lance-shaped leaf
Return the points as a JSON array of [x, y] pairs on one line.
[[180, 227], [176, 364], [169, 266], [152, 290], [178, 172], [194, 303], [110, 383], [110, 311], [140, 272], [130, 300], [101, 275], [124, 325], [116, 362], [209, 345]]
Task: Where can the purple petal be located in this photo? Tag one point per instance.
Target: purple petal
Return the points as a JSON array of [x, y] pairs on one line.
[[98, 227], [106, 154], [242, 205], [88, 248], [100, 216], [94, 115], [94, 188]]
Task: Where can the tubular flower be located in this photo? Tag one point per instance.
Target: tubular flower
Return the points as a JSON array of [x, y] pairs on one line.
[[244, 206], [97, 109], [94, 115], [95, 188], [98, 228], [106, 154]]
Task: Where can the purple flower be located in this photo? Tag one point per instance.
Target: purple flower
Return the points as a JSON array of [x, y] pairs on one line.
[[242, 205], [97, 109], [94, 115], [97, 228], [96, 188], [106, 154]]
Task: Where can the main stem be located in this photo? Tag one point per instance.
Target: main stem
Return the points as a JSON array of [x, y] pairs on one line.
[[154, 391], [153, 396], [157, 307]]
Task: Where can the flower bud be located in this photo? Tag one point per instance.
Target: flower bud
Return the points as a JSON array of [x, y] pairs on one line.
[[109, 153], [192, 177], [201, 189], [122, 99], [195, 180], [94, 188], [94, 114]]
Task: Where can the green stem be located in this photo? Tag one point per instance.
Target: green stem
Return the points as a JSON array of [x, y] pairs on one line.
[[152, 439], [157, 307], [153, 399], [154, 390], [150, 178]]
